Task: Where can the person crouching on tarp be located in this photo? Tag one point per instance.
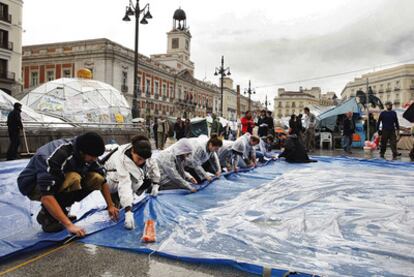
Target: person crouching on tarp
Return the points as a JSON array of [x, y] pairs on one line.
[[171, 164], [131, 170], [229, 155], [264, 149], [294, 151], [246, 144], [61, 172], [204, 162]]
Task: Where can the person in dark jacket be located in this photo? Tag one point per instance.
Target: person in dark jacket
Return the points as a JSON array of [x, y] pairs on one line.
[[270, 123], [62, 172], [349, 130], [263, 124], [155, 132], [188, 128], [14, 125], [179, 129], [390, 125], [295, 151]]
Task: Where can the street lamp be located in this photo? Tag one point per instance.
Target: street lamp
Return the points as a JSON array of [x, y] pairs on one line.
[[135, 10], [222, 71], [266, 103], [249, 91]]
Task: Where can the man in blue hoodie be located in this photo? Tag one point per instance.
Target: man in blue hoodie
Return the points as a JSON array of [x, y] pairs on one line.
[[390, 125], [62, 172]]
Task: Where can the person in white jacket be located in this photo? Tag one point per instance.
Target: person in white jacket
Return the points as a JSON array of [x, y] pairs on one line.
[[229, 155], [247, 143], [204, 159], [171, 162], [131, 170]]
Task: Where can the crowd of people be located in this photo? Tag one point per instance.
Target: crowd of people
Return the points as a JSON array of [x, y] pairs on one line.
[[67, 170]]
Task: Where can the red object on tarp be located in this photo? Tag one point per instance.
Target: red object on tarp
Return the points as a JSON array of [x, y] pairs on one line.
[[149, 231]]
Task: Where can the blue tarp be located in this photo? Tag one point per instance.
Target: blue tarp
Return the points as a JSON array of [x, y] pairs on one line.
[[336, 217]]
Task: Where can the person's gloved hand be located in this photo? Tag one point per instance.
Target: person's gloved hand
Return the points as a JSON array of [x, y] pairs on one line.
[[154, 191], [129, 220], [379, 132]]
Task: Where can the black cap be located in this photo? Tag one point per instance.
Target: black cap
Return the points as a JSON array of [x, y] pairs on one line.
[[90, 143]]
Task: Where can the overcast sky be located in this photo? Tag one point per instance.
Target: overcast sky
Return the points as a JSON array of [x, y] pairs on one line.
[[270, 42]]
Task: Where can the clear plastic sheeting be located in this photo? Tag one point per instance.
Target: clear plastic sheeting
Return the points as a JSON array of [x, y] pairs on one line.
[[28, 115], [336, 217], [80, 100]]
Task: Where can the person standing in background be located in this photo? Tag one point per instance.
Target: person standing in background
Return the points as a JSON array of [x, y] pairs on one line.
[[247, 123], [270, 123], [390, 125], [349, 130], [155, 132], [187, 128], [179, 129], [310, 124], [14, 125]]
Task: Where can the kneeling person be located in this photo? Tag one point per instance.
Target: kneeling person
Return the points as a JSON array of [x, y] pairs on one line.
[[61, 173], [131, 170]]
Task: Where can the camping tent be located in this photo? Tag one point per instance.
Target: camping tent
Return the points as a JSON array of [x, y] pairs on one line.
[[198, 125], [327, 119], [80, 100], [28, 115]]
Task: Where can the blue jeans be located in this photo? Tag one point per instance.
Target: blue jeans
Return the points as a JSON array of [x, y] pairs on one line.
[[347, 143]]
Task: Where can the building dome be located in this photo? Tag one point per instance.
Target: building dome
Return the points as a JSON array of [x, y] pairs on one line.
[[179, 15]]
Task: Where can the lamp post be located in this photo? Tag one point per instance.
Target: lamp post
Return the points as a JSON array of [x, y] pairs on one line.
[[266, 103], [249, 91], [135, 10], [222, 71]]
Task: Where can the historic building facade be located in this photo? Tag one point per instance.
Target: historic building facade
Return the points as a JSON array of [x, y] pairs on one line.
[[287, 103], [11, 46], [164, 89], [394, 84]]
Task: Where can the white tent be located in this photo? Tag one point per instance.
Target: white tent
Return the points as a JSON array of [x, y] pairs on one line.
[[80, 100], [28, 115]]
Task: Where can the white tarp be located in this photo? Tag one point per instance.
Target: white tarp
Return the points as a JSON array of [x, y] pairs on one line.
[[80, 100]]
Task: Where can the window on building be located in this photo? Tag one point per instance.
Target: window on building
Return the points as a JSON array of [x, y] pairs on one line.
[[139, 84], [164, 90], [156, 88], [3, 68], [50, 75], [124, 78], [4, 12], [67, 73], [147, 86], [175, 43], [34, 78], [293, 105], [187, 44], [171, 91], [4, 39]]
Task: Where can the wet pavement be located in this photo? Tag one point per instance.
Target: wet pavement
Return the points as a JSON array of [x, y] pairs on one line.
[[78, 259]]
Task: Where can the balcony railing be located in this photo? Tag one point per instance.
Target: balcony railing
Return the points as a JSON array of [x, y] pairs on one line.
[[7, 75], [412, 87], [388, 90], [6, 18], [397, 89], [8, 45], [396, 102]]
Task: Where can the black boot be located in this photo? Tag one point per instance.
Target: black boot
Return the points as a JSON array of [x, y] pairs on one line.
[[48, 222]]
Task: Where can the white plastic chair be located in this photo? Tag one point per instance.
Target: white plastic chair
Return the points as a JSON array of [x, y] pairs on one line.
[[326, 137]]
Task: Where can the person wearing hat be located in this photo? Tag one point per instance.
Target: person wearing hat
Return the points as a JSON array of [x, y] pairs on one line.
[[62, 172], [390, 125], [14, 125]]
